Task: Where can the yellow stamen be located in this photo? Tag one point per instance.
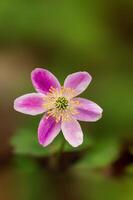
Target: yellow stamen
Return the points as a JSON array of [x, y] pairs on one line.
[[60, 104]]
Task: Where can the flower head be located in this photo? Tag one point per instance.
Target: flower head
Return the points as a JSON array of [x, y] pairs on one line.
[[59, 103]]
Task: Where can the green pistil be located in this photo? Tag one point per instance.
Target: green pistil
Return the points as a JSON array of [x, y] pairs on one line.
[[61, 103]]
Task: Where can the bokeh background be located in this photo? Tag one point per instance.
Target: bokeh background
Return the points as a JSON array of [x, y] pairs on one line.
[[64, 37]]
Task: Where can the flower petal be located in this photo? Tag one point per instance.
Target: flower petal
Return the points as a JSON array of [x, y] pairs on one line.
[[87, 110], [72, 132], [31, 104], [48, 129], [78, 81], [43, 79]]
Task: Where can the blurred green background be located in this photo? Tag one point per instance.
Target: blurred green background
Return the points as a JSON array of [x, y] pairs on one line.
[[64, 37]]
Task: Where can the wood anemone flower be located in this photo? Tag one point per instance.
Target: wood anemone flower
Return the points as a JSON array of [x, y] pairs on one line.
[[61, 106]]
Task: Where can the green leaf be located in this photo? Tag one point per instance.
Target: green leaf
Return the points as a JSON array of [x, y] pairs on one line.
[[104, 152], [25, 142]]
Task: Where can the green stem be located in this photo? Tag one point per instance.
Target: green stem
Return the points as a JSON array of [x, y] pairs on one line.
[[54, 160], [61, 149]]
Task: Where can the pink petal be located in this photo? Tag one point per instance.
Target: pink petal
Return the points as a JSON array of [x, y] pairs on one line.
[[78, 81], [72, 132], [87, 110], [43, 79], [48, 129], [31, 104]]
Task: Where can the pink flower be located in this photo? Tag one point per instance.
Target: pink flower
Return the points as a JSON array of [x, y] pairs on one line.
[[62, 109]]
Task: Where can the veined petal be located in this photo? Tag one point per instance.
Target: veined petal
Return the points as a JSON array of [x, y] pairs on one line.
[[48, 129], [72, 132], [43, 80], [87, 110], [31, 104], [78, 81]]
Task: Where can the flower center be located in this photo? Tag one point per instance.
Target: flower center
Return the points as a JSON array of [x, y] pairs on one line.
[[61, 103]]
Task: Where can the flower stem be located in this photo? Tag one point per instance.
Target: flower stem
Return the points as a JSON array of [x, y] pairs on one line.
[[61, 149], [60, 152], [55, 160]]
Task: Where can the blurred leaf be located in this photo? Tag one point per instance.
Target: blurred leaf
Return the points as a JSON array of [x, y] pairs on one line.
[[25, 143], [104, 152]]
